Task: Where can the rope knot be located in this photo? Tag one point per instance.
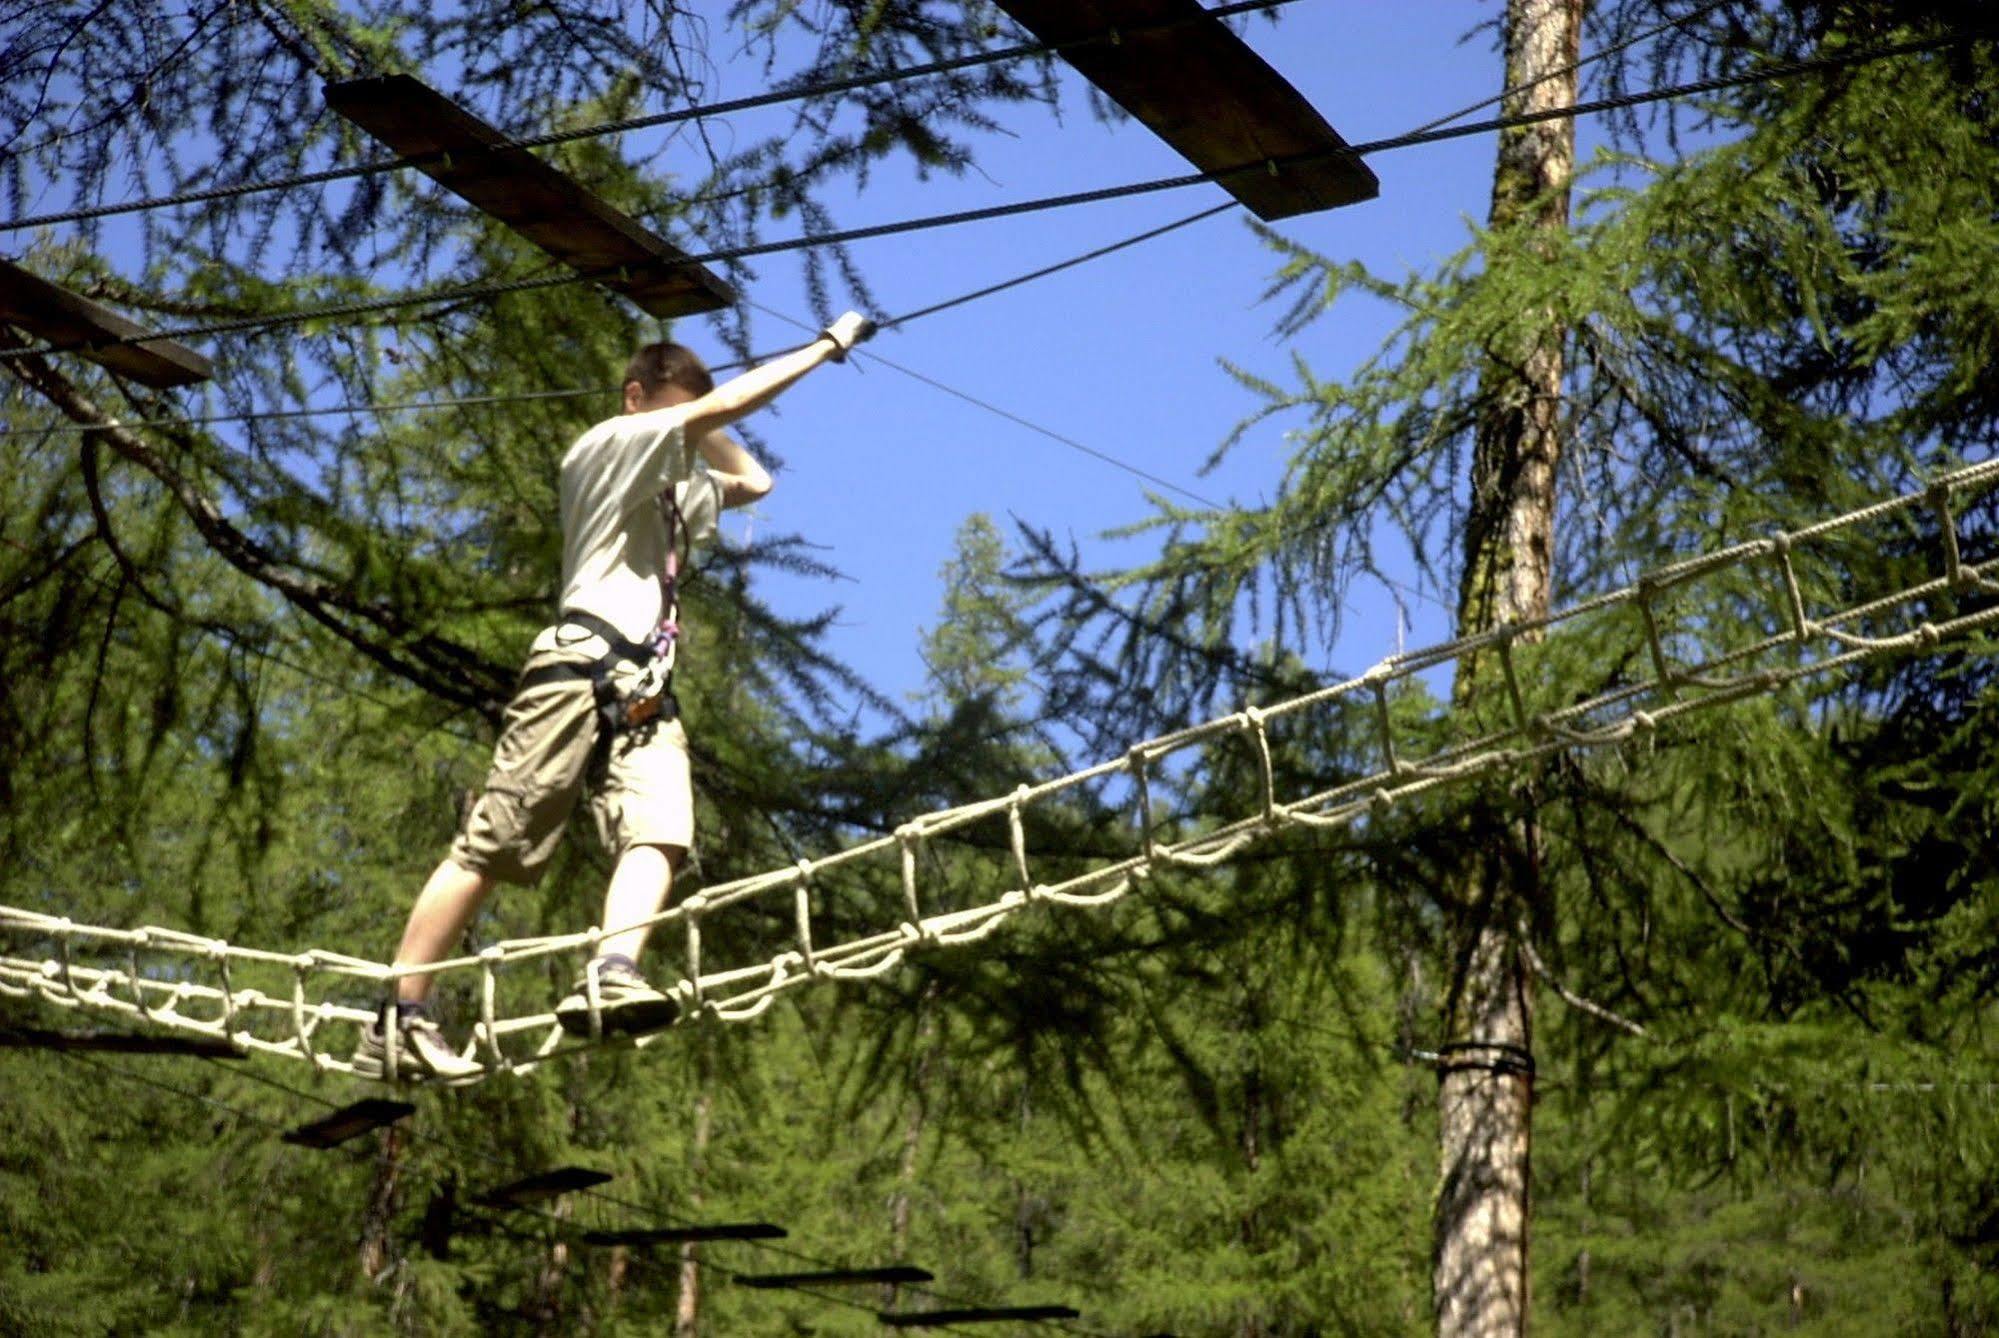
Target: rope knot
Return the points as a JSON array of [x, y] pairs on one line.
[[1928, 635], [1642, 722], [1382, 800]]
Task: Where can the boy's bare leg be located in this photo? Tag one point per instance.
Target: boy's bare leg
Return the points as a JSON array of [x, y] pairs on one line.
[[437, 923], [639, 887]]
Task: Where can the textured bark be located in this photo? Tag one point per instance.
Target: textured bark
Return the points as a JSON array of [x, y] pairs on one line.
[[384, 1198], [687, 1310], [1485, 1093], [546, 1307], [1249, 1324], [902, 1202], [1026, 1204]]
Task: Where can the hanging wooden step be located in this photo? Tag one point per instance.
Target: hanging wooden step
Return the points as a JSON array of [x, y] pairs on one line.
[[837, 1277], [682, 1235], [544, 1185], [349, 1122], [75, 324], [916, 1319], [117, 1043], [556, 212], [1200, 88]]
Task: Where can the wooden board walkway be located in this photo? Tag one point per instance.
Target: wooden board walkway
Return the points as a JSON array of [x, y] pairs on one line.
[[74, 323], [1202, 90], [556, 212]]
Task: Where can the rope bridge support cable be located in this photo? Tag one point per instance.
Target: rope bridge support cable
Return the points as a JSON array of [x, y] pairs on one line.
[[294, 1005]]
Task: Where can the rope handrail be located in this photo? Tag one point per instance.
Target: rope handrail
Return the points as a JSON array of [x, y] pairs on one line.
[[194, 983]]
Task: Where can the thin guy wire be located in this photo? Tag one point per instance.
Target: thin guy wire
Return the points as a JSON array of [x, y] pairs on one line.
[[841, 237], [921, 312], [579, 392], [1591, 59], [990, 290], [625, 126], [529, 396]]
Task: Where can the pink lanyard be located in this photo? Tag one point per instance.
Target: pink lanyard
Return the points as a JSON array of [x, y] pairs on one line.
[[668, 630]]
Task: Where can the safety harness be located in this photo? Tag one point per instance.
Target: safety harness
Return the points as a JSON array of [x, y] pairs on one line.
[[643, 698]]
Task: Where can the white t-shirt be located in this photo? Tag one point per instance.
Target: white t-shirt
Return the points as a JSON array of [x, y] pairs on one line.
[[614, 521]]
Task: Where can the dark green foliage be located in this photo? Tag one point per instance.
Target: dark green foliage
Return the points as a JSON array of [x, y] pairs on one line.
[[1207, 1109]]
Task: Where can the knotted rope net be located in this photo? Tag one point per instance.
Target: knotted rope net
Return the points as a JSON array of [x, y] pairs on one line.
[[1787, 620]]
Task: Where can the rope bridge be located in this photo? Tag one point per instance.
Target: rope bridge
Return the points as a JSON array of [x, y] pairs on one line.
[[309, 1005]]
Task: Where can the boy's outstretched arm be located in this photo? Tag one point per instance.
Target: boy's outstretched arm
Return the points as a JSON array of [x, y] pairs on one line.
[[743, 395]]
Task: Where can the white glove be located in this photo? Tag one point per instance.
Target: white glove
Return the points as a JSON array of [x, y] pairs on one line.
[[846, 332]]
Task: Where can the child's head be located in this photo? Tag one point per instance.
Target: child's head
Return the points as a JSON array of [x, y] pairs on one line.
[[662, 375]]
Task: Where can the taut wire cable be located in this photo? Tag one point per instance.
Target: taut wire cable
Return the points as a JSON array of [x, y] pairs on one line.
[[375, 306], [850, 84]]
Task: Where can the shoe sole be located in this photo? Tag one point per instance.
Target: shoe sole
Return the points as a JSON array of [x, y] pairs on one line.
[[625, 1019]]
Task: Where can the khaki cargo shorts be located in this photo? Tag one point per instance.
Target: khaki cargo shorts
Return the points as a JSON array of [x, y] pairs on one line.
[[644, 796]]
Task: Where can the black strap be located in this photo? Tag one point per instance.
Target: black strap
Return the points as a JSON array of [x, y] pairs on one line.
[[621, 648], [614, 713], [543, 674]]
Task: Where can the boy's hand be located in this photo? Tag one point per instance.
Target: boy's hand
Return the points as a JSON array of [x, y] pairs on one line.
[[846, 332]]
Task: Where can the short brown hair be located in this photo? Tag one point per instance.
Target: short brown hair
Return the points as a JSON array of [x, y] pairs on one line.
[[659, 365]]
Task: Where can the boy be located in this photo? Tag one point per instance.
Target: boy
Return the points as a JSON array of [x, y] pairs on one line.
[[594, 685]]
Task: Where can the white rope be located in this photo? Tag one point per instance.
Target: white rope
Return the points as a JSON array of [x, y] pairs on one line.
[[309, 1006]]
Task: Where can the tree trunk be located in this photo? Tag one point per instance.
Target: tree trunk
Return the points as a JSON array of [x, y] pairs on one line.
[[1485, 1094], [384, 1197], [901, 1203], [687, 1311], [545, 1309], [1024, 1201]]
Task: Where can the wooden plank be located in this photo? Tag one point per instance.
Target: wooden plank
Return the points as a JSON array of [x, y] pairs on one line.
[[556, 212], [74, 323], [916, 1319], [837, 1277], [330, 1131], [546, 1185], [1202, 90], [682, 1235], [118, 1043]]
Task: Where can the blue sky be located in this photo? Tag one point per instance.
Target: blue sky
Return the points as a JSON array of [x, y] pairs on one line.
[[1123, 354]]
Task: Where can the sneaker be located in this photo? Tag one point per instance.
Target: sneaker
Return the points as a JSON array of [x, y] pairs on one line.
[[626, 1005], [422, 1054]]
